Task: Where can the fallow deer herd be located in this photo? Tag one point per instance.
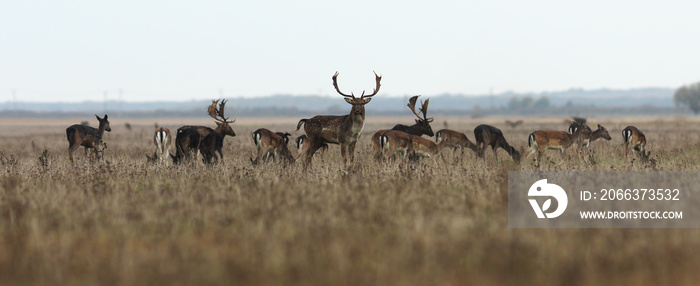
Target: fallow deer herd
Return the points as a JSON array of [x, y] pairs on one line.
[[403, 142]]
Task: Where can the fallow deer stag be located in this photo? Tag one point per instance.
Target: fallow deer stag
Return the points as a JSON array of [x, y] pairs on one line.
[[88, 137], [634, 140], [541, 140], [271, 144], [214, 137], [422, 126], [454, 139], [161, 142], [344, 130], [302, 146], [487, 135]]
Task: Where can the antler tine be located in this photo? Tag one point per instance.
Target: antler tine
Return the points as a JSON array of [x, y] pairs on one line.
[[212, 109], [424, 110], [412, 105], [335, 84], [378, 79], [221, 109]]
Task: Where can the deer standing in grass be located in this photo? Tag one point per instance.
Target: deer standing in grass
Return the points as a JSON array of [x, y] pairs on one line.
[[422, 126], [344, 130], [214, 142], [635, 141], [541, 140], [454, 139], [88, 137], [588, 136], [302, 146], [487, 135], [271, 144], [161, 142], [395, 142]]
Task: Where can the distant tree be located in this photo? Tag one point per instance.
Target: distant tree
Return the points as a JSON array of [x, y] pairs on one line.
[[542, 102], [689, 95]]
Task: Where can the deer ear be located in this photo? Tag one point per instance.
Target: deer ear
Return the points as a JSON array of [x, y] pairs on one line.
[[366, 100], [105, 116], [98, 118], [348, 100]]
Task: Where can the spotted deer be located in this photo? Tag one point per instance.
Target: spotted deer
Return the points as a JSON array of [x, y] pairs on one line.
[[541, 140], [214, 142], [487, 135], [344, 130], [271, 144], [422, 126], [635, 141], [88, 137], [454, 139]]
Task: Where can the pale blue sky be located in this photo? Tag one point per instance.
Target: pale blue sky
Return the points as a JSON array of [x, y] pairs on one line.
[[182, 50]]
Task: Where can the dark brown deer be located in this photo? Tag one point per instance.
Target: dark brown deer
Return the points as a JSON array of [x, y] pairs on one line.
[[271, 144], [487, 135], [635, 141], [454, 139], [186, 143], [422, 126], [588, 136], [344, 130], [223, 128], [88, 137]]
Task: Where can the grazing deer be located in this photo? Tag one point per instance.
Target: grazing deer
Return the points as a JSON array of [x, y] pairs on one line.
[[88, 137], [634, 140], [487, 135], [301, 145], [541, 140], [344, 130], [422, 126], [395, 142], [186, 143], [454, 139], [514, 124], [161, 142], [271, 144], [424, 148], [223, 128]]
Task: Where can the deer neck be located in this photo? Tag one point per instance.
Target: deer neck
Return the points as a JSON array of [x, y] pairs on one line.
[[596, 134]]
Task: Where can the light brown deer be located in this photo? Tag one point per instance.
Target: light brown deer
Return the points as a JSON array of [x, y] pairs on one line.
[[424, 148], [487, 135], [422, 126], [344, 130], [541, 140], [271, 144], [635, 141], [161, 142], [88, 137], [395, 142], [302, 146], [454, 139], [214, 142]]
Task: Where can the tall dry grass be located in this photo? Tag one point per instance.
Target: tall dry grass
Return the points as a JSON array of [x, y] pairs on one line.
[[440, 222]]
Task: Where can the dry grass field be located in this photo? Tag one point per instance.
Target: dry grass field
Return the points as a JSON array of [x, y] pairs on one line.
[[440, 222]]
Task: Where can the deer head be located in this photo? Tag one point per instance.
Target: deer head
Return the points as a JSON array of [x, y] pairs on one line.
[[222, 122], [104, 124], [358, 104], [422, 121]]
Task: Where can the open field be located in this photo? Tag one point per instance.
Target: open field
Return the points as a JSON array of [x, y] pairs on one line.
[[441, 222]]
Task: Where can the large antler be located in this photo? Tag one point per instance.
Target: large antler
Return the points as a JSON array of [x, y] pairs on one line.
[[376, 88], [423, 109], [335, 84], [218, 113]]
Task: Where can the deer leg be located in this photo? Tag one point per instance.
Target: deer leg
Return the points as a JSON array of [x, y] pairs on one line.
[[344, 153], [494, 148], [351, 152], [72, 149], [309, 155]]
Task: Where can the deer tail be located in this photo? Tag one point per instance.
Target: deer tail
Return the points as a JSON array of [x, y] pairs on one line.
[[437, 136], [256, 138], [530, 139], [303, 121]]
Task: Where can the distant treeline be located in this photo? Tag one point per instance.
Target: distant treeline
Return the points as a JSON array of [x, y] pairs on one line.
[[657, 101]]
